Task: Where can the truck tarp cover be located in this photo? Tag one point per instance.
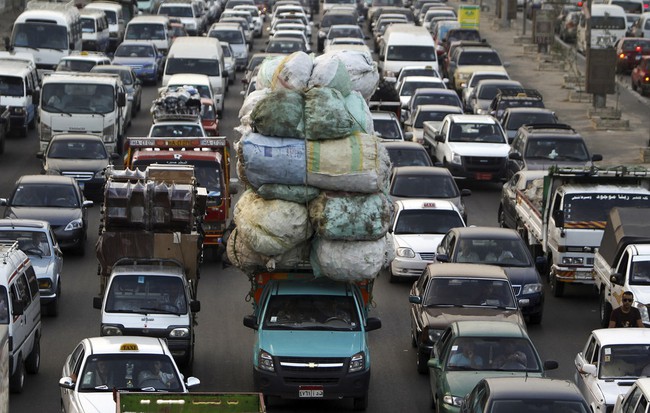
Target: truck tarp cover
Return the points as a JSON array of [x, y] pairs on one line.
[[625, 226]]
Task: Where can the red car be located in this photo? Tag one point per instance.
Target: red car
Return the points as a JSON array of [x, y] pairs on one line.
[[640, 76], [629, 51], [209, 118]]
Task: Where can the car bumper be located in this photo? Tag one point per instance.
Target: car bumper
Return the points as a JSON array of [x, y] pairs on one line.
[[495, 172], [48, 295], [349, 385], [578, 275], [407, 268], [69, 239], [180, 348], [531, 304], [146, 73]]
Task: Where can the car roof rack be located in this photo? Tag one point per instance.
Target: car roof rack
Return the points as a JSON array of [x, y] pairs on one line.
[[535, 126], [519, 94]]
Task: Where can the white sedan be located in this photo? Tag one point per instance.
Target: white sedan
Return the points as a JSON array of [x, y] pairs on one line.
[[100, 365]]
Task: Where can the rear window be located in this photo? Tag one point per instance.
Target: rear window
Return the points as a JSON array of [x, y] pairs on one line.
[[411, 53], [629, 6], [332, 19], [480, 58], [229, 36]]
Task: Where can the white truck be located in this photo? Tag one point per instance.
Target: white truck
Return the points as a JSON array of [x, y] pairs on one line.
[[622, 262], [563, 216], [83, 103]]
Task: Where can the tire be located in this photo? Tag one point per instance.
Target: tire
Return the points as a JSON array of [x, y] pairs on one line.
[[360, 403], [414, 342], [422, 363], [33, 361], [501, 215], [556, 286], [605, 310], [32, 124], [52, 309], [17, 380]]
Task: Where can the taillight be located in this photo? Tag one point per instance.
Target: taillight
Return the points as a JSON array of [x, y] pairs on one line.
[[622, 55], [646, 78]]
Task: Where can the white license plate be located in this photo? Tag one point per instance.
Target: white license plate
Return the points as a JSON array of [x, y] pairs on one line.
[[310, 393]]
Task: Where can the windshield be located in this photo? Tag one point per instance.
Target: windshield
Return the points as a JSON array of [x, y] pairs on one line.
[[595, 207], [608, 22], [43, 195], [76, 149], [4, 308], [312, 312], [32, 243], [640, 272], [476, 132], [387, 129], [629, 6], [12, 86], [502, 252], [469, 292], [145, 31], [331, 19], [477, 78], [40, 36], [229, 36], [408, 87], [208, 67], [492, 353], [409, 157], [133, 372], [623, 361], [479, 58], [176, 11], [573, 150], [488, 92], [435, 99], [146, 294], [411, 53], [78, 98], [538, 406], [207, 174], [87, 25], [134, 50], [204, 91], [175, 131], [516, 120], [427, 221], [424, 186], [459, 34], [345, 32], [111, 16], [427, 116]]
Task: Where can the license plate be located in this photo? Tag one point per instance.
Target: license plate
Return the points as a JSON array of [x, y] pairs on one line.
[[483, 176], [310, 392]]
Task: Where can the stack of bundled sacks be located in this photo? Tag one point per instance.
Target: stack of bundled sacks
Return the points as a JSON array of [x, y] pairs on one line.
[[317, 176]]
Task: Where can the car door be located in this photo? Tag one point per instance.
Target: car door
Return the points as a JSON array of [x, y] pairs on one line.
[[508, 201], [439, 353], [417, 323], [71, 368], [518, 147], [19, 294], [633, 399], [588, 383], [56, 252]]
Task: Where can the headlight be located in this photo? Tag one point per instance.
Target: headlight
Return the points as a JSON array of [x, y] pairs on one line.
[[462, 77], [480, 111], [266, 361], [456, 158], [179, 333], [44, 283], [46, 132], [531, 289], [111, 331], [405, 252], [357, 362], [452, 400], [434, 335], [573, 260], [72, 225], [644, 312], [109, 133], [18, 111]]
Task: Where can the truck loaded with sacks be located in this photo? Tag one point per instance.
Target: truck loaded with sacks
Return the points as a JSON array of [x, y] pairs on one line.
[[311, 226]]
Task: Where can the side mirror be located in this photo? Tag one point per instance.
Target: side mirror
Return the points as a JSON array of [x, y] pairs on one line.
[[552, 365], [40, 155], [373, 323], [617, 278], [97, 302], [115, 156], [121, 99], [465, 192], [192, 382], [442, 257], [7, 44], [195, 306], [439, 138], [138, 81], [414, 299], [36, 97], [540, 263], [87, 204], [515, 156], [234, 187], [250, 321], [3, 202], [408, 136], [587, 369], [558, 216], [433, 363], [66, 383], [596, 157]]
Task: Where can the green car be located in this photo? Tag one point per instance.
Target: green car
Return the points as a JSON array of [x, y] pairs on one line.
[[469, 351]]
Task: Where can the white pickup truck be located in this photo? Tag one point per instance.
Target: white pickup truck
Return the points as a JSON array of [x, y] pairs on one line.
[[622, 262], [562, 217]]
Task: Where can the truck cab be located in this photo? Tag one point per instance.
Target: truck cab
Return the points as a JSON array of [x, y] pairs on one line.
[[294, 309]]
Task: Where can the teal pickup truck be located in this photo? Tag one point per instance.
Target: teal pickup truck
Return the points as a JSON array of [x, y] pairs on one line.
[[311, 340]]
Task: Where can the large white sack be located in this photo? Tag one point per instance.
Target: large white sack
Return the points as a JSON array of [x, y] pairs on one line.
[[357, 163], [358, 108], [271, 227], [348, 260], [330, 71], [243, 257], [271, 160], [267, 71], [362, 70], [350, 216], [249, 104], [293, 72]]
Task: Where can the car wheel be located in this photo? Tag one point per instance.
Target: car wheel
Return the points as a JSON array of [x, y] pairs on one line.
[[17, 380], [33, 362], [556, 286], [423, 359], [360, 403], [605, 310], [414, 342], [502, 217], [52, 309]]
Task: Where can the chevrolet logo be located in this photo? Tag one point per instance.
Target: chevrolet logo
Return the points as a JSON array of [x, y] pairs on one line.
[[312, 365]]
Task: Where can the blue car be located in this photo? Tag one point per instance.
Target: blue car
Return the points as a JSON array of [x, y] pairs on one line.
[[143, 57]]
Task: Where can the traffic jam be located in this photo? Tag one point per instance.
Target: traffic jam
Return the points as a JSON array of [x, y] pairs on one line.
[[318, 166]]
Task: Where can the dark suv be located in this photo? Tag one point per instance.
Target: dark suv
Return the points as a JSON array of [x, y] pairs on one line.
[[510, 98], [331, 18], [539, 146]]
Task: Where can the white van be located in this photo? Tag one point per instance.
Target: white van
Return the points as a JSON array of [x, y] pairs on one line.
[[188, 13], [234, 35], [608, 24], [200, 55], [115, 17], [406, 45], [20, 310], [154, 29], [19, 92], [94, 30]]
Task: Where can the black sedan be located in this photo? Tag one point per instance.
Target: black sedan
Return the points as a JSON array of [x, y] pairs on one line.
[[80, 156], [52, 198], [502, 247], [404, 153], [285, 45]]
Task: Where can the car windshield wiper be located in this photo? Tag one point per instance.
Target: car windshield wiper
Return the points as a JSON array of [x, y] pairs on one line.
[[57, 110], [159, 310]]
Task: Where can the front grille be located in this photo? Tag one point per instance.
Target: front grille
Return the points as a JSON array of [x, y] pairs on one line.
[[516, 289], [427, 256], [148, 332], [307, 381], [483, 163], [314, 365], [79, 176]]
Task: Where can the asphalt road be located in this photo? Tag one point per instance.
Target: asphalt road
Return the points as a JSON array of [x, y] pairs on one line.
[[224, 345]]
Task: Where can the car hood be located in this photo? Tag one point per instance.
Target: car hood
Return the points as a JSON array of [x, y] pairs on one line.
[[43, 266], [440, 317], [460, 383], [321, 343], [543, 164], [612, 389], [480, 149], [129, 61], [77, 165], [522, 275], [100, 402], [476, 68], [55, 216], [418, 242]]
